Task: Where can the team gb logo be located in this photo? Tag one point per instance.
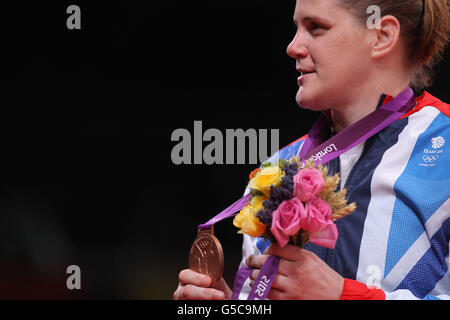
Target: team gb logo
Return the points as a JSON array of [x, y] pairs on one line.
[[437, 142]]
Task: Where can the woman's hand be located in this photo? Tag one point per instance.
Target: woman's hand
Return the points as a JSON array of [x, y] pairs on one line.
[[302, 275], [197, 286]]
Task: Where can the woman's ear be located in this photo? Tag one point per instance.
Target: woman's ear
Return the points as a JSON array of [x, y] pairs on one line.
[[387, 35]]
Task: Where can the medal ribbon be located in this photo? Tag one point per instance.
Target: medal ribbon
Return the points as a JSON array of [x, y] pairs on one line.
[[321, 152], [228, 212], [356, 133]]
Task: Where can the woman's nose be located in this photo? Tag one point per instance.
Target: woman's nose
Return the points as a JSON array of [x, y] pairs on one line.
[[297, 49]]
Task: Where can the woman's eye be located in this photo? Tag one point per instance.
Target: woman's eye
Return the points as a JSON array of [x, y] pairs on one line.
[[314, 26], [316, 29]]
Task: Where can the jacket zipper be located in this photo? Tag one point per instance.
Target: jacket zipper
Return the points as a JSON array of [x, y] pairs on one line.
[[356, 163]]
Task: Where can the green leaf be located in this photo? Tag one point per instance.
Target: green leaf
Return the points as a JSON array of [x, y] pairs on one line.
[[282, 162], [256, 193], [266, 164]]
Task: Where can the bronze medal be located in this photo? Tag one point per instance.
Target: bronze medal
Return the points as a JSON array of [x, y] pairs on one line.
[[206, 255]]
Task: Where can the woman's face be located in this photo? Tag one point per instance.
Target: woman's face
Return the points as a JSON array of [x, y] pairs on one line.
[[332, 51]]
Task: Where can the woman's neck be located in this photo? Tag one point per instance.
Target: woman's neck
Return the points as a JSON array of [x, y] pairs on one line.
[[343, 117]]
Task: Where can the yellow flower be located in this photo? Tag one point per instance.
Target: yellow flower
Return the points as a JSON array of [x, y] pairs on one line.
[[247, 221], [265, 178]]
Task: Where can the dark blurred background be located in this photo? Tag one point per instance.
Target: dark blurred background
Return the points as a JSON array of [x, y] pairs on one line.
[[87, 176]]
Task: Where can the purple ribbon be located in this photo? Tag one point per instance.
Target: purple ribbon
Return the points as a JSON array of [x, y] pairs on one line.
[[228, 212], [322, 152], [263, 283], [264, 280], [241, 276], [360, 131]]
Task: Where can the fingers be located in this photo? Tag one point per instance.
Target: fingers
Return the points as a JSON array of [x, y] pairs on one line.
[[280, 282], [288, 252], [191, 292], [257, 261], [277, 291], [189, 276], [275, 294], [196, 286], [222, 286]]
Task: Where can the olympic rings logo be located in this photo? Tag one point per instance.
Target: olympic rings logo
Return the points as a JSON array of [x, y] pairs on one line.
[[431, 158]]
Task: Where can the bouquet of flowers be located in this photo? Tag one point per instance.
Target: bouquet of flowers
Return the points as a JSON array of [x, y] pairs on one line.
[[294, 203]]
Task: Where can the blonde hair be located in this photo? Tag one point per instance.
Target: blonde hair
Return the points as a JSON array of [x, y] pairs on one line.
[[424, 28]]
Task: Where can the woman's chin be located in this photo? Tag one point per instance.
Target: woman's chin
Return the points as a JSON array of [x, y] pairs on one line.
[[307, 100]]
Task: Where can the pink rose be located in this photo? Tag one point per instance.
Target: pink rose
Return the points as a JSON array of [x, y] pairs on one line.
[[286, 220], [322, 230], [308, 183]]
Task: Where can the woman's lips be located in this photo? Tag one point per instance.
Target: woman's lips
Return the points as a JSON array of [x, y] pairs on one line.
[[304, 76]]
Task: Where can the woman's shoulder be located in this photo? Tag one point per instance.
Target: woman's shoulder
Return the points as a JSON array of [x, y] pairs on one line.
[[428, 100], [431, 117], [292, 149]]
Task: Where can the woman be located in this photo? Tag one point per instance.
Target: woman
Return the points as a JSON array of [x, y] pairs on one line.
[[396, 244]]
